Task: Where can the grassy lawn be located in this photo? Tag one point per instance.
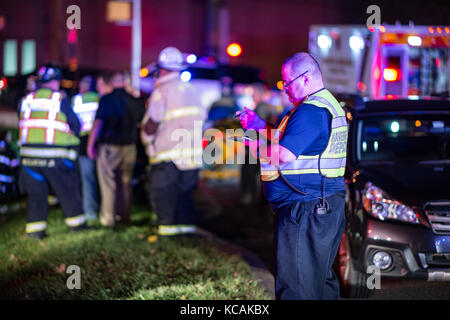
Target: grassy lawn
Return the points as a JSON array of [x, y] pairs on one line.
[[118, 264]]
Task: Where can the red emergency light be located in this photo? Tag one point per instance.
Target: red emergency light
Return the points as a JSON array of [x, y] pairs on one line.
[[2, 83], [390, 74]]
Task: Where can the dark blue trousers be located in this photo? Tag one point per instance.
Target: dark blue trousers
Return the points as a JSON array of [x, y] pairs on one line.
[[306, 244]]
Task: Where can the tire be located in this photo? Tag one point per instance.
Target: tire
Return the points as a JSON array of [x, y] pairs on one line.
[[352, 282]]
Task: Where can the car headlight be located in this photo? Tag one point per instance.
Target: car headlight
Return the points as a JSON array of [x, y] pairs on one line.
[[382, 206]]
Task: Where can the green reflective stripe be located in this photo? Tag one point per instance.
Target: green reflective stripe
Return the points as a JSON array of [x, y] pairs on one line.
[[65, 139], [91, 97], [329, 101], [168, 230], [333, 173], [33, 135], [61, 117], [36, 226], [38, 115], [43, 93], [76, 221]]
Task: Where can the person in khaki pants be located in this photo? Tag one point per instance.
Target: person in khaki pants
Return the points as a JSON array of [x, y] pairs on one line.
[[112, 142]]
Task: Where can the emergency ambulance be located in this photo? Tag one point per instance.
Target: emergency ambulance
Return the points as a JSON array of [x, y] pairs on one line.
[[383, 62], [398, 160]]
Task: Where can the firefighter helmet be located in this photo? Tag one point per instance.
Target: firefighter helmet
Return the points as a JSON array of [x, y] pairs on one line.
[[49, 72], [171, 59]]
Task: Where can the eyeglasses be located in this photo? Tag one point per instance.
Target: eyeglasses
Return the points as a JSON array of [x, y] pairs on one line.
[[287, 84]]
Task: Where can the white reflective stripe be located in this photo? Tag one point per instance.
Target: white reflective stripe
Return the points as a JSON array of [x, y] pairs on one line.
[[300, 157], [36, 226], [56, 97], [166, 230], [177, 154], [76, 221], [77, 102], [44, 124], [85, 107], [187, 228], [23, 134], [85, 112], [5, 160], [6, 179], [87, 120], [50, 134], [48, 153], [182, 112]]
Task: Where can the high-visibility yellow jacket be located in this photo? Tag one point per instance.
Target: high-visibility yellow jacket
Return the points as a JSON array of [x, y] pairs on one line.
[[43, 127], [331, 162]]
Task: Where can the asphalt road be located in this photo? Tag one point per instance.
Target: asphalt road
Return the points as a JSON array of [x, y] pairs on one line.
[[250, 227]]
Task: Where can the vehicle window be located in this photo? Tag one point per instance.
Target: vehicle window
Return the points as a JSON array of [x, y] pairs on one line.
[[410, 138]]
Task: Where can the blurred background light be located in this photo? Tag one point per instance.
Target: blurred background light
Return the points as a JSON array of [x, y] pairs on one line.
[[324, 41], [185, 76]]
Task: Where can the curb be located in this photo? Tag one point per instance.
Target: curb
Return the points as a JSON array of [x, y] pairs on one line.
[[259, 270]]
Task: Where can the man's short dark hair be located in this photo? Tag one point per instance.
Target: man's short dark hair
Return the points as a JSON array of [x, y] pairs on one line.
[[302, 61], [106, 76]]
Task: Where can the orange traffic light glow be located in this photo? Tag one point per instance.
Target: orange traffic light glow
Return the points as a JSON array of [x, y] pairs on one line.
[[234, 50], [143, 72], [390, 74]]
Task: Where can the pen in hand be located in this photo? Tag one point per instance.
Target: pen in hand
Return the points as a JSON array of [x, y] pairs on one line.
[[240, 114]]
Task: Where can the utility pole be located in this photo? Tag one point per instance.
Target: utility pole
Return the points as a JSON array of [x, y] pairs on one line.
[[136, 44]]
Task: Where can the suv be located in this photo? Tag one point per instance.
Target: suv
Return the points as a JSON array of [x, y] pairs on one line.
[[398, 193]]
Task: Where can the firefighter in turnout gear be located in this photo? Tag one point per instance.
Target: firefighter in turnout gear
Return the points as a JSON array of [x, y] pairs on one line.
[[174, 105], [302, 170], [48, 150]]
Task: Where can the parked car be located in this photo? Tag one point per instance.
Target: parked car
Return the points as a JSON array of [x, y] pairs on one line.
[[398, 193]]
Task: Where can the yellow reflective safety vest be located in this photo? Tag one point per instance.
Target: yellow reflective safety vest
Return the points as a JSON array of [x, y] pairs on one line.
[[85, 106], [43, 128], [331, 162]]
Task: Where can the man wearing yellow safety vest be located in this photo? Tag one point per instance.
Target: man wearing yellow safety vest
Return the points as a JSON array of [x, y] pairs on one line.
[[85, 105], [173, 135], [302, 168], [48, 150]]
